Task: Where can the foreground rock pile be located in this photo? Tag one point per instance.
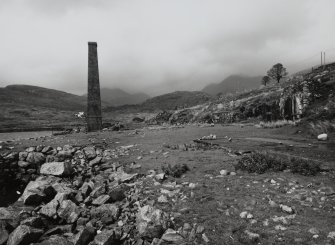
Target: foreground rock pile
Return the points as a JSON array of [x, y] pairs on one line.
[[83, 196]]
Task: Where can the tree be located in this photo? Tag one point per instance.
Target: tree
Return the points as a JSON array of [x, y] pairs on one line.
[[265, 80], [277, 72]]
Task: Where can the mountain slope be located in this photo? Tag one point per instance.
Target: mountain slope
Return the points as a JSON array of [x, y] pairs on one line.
[[232, 84], [117, 97], [26, 95], [176, 99]]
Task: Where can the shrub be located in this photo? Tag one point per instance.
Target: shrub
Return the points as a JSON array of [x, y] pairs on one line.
[[254, 163], [304, 167], [260, 162], [175, 171]]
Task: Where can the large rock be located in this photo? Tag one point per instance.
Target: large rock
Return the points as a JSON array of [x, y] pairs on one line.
[[10, 216], [23, 155], [35, 158], [37, 191], [3, 235], [68, 211], [95, 161], [151, 222], [84, 236], [23, 235], [56, 168], [106, 237], [23, 164], [172, 236], [86, 188], [322, 137], [106, 211], [122, 176], [56, 240], [117, 193], [101, 200], [50, 209], [89, 152]]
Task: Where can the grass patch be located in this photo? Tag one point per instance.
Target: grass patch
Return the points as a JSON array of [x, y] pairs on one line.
[[276, 124], [261, 162], [175, 171]]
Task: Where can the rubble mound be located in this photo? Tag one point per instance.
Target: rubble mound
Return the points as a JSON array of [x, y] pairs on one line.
[[82, 195]]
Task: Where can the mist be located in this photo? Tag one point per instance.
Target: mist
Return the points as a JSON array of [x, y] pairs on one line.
[[157, 46]]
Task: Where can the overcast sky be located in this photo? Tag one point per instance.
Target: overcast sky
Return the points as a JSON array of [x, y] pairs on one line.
[[158, 46]]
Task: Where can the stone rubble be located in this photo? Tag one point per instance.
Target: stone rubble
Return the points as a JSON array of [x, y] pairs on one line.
[[83, 196]]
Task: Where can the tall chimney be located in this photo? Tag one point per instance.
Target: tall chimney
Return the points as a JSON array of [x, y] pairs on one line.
[[94, 119]]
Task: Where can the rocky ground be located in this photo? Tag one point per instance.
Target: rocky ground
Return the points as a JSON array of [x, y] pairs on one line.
[[123, 188]]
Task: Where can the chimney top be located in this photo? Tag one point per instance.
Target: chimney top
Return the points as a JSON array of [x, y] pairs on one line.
[[92, 43]]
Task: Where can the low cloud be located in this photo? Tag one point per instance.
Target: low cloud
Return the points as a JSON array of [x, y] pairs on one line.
[[158, 46]]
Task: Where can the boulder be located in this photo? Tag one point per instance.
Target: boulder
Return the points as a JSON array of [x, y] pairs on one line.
[[151, 222], [68, 211], [172, 236], [101, 200], [323, 137], [37, 191], [90, 152], [106, 211], [23, 164], [56, 240], [223, 172], [10, 216], [56, 168], [3, 235], [122, 176], [106, 237], [50, 209], [98, 191], [84, 236], [95, 161], [86, 188], [24, 234], [117, 193], [35, 158], [160, 176], [46, 149], [23, 155]]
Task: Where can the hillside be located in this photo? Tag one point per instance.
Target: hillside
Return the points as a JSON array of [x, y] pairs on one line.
[[170, 101], [232, 84], [177, 99], [26, 95], [117, 97]]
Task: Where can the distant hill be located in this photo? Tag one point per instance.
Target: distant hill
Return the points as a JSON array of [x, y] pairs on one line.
[[26, 95], [232, 84], [176, 99], [117, 97], [170, 101]]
